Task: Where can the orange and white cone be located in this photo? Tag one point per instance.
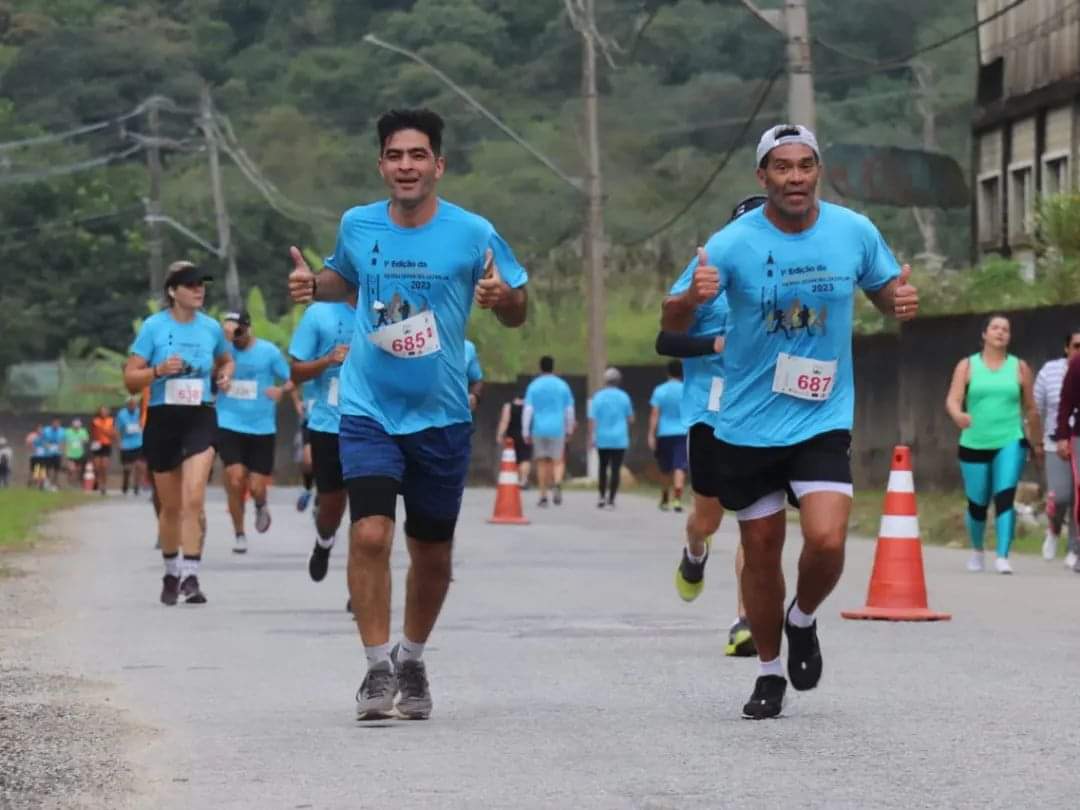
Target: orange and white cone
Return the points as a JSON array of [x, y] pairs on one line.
[[508, 490], [89, 480], [898, 583]]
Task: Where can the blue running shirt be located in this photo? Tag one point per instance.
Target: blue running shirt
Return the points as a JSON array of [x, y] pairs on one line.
[[198, 342], [53, 438], [429, 272], [610, 408], [703, 377], [473, 372], [549, 397], [667, 398], [323, 326], [792, 294], [129, 426], [245, 407]]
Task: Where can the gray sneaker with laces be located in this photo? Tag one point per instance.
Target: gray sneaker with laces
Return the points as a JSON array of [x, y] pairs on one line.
[[414, 696], [375, 697]]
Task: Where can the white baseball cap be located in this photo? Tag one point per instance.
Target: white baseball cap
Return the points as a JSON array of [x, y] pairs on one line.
[[782, 135], [612, 376]]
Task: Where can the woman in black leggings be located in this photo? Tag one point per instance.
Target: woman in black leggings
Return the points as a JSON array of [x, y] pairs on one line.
[[610, 416]]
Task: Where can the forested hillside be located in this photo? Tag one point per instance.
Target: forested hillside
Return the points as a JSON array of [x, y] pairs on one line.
[[302, 91]]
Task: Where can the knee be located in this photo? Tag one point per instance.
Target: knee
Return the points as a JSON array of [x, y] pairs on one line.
[[825, 542], [762, 555], [170, 512], [234, 478], [369, 540], [977, 511], [1003, 501]]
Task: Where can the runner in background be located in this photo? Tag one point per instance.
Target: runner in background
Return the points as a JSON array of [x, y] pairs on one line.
[[610, 416], [547, 423], [76, 442], [474, 374], [102, 435], [54, 441], [7, 462], [667, 436], [306, 396], [129, 427], [35, 446], [510, 427]]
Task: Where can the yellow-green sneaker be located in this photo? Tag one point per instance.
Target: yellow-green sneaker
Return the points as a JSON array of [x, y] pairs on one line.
[[690, 577], [740, 643]]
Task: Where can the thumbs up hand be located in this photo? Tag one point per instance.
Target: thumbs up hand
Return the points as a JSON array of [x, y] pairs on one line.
[[705, 284], [491, 289], [301, 279], [905, 297]]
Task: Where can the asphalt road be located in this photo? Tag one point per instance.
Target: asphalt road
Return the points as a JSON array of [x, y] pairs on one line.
[[565, 672]]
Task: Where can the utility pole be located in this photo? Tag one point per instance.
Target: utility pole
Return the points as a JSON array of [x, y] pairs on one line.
[[153, 201], [221, 213], [793, 22], [594, 243]]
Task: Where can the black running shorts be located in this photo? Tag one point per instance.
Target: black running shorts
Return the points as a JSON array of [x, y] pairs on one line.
[[255, 451], [703, 449], [326, 461], [177, 432], [745, 475], [130, 456]]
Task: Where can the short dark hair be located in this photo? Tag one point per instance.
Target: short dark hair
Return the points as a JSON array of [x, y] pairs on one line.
[[422, 120], [547, 364], [1069, 336], [674, 369], [993, 317]]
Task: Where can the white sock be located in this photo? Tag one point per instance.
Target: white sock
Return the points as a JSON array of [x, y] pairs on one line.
[[377, 654], [172, 565], [325, 542], [693, 557], [774, 667], [410, 650], [798, 618], [189, 567]]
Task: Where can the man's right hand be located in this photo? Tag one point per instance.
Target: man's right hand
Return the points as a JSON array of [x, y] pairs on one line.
[[174, 365], [339, 353], [1063, 449], [705, 284], [301, 279]]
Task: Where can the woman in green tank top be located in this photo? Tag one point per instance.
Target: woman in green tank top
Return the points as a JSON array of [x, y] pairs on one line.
[[990, 395]]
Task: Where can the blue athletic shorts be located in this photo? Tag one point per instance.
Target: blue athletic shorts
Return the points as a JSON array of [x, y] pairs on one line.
[[671, 453], [430, 466]]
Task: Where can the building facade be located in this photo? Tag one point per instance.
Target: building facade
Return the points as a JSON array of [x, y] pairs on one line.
[[1027, 118]]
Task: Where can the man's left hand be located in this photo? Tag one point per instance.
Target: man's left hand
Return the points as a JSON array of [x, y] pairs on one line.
[[906, 297], [491, 290]]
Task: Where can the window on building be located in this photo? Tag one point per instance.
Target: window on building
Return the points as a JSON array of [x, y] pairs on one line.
[[990, 209], [1021, 201], [1056, 175]]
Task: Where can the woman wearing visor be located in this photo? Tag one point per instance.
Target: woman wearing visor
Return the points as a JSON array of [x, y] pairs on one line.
[[176, 353]]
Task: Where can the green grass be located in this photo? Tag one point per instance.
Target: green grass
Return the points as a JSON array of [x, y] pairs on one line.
[[22, 511], [941, 521]]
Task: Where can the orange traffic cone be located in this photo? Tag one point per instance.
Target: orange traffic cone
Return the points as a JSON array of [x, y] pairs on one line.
[[508, 492], [88, 478], [897, 583]]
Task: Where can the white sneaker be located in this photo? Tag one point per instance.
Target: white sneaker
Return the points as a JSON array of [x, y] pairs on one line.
[[1070, 559], [1049, 549], [976, 563], [1002, 565], [240, 544]]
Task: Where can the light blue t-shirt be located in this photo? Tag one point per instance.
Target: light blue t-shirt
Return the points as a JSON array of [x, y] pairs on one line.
[[703, 377], [473, 372], [129, 426], [549, 397], [792, 294], [245, 407], [400, 273], [610, 408], [323, 326], [667, 398], [39, 444], [52, 438], [198, 342], [307, 396]]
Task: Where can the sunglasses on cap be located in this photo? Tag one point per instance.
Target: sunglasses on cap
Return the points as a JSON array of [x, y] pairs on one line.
[[190, 277]]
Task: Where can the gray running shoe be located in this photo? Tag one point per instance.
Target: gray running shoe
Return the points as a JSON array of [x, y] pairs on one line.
[[262, 518], [375, 697], [414, 700]]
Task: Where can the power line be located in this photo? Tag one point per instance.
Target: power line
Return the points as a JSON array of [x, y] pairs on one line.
[[70, 168], [67, 224], [735, 144]]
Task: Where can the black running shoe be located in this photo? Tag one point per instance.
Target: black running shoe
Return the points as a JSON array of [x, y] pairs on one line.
[[804, 654], [170, 589], [190, 589], [768, 698], [318, 562]]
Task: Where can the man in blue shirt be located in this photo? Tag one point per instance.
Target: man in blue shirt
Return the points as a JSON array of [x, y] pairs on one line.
[[547, 423], [790, 270], [416, 263], [53, 435], [316, 353], [129, 427], [247, 425], [474, 374], [611, 413], [667, 435]]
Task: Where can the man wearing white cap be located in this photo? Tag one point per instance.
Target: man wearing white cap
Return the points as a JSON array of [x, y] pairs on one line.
[[790, 270]]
